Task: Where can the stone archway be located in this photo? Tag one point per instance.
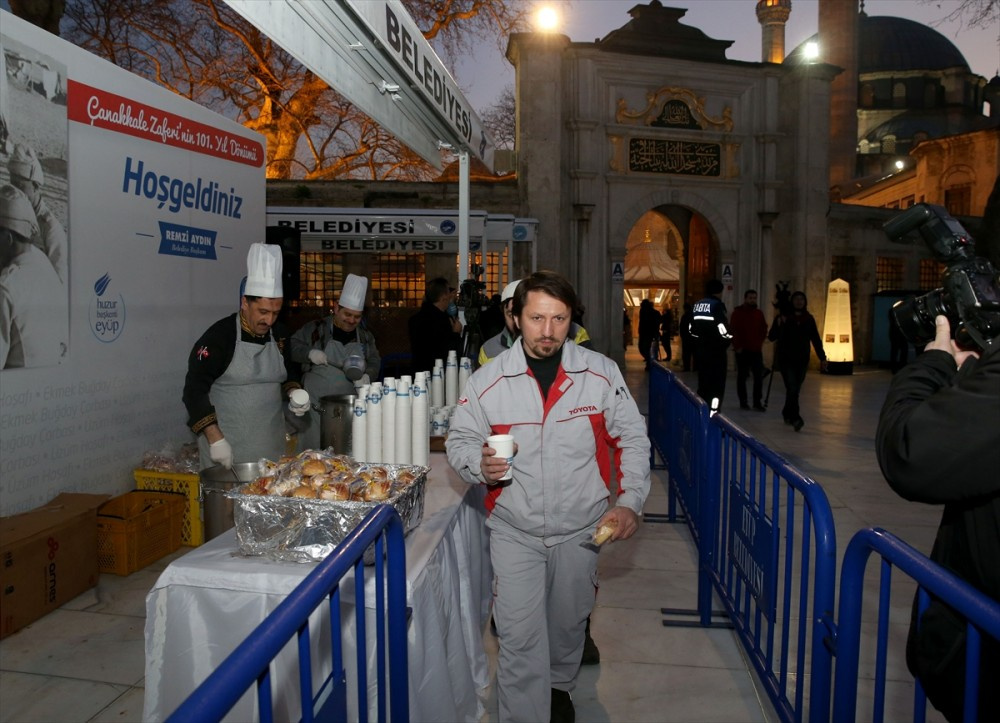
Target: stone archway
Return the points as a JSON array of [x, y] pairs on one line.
[[704, 238]]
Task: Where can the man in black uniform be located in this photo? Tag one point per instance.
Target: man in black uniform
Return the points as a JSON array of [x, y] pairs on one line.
[[240, 373], [709, 329], [938, 442]]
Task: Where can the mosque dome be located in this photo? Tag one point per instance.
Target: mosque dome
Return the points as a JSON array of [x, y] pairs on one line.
[[914, 125], [887, 44]]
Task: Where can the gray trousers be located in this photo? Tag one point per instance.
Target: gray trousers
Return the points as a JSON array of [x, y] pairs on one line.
[[542, 597]]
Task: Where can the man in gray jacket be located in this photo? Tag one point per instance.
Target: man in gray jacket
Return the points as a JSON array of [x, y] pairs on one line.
[[569, 411]]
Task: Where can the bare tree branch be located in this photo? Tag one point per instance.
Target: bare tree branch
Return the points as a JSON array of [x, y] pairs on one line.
[[204, 51]]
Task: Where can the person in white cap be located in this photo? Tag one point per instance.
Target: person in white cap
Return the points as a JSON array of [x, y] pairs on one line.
[[240, 374], [501, 342], [336, 351], [34, 321], [26, 175]]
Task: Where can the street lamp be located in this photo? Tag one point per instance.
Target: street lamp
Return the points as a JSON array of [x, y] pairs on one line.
[[547, 19]]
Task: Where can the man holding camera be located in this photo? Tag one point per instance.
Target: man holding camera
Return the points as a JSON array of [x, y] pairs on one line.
[[938, 442]]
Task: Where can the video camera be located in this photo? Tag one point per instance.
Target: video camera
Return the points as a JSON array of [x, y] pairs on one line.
[[472, 298], [970, 290], [782, 298]]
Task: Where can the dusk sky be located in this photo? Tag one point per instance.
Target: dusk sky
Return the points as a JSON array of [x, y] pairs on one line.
[[586, 20]]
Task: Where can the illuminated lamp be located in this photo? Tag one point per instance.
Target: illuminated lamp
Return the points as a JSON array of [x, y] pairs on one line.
[[838, 339]]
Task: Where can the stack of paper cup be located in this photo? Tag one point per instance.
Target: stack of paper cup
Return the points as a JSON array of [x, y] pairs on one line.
[[437, 383], [419, 434], [451, 379], [388, 405], [374, 423], [404, 424], [359, 425], [438, 423]]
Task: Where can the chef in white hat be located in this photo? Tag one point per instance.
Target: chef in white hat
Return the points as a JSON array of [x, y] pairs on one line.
[[337, 352], [241, 387], [26, 175]]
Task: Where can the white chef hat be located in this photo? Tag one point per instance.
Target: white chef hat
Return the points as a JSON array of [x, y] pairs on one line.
[[352, 296], [264, 271]]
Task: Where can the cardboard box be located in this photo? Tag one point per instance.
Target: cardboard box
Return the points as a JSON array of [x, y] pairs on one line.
[[48, 556]]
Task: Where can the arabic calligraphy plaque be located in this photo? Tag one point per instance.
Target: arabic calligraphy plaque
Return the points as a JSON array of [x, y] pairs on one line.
[[650, 155]]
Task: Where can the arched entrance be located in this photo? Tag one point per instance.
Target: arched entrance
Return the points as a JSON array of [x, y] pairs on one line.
[[670, 253]]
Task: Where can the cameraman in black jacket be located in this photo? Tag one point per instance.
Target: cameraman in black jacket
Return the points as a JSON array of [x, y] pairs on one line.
[[938, 442]]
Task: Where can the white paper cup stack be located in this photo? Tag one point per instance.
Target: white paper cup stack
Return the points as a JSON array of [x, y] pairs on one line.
[[388, 404], [374, 423], [404, 424]]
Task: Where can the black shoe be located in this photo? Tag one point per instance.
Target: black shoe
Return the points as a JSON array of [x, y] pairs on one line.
[[798, 424], [744, 405], [760, 407], [562, 707], [591, 655]]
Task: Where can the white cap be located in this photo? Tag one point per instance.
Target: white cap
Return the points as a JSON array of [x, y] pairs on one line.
[[264, 271], [508, 291], [352, 296]]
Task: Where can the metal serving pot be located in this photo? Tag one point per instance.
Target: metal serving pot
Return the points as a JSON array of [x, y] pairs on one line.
[[215, 482]]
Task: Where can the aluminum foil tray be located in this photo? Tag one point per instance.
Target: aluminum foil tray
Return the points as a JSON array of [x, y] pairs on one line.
[[306, 530]]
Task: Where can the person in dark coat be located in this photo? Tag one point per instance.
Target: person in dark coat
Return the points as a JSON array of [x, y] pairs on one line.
[[491, 320], [435, 329], [899, 347], [649, 329], [667, 331], [793, 330], [938, 442], [710, 334]]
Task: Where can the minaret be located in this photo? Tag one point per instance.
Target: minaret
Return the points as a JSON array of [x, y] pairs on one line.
[[838, 45], [772, 16]]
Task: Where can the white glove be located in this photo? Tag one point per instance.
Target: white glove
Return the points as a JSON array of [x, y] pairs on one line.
[[318, 357], [298, 401], [362, 381], [221, 452]]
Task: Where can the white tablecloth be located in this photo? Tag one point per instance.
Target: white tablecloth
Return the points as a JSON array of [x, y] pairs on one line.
[[205, 603]]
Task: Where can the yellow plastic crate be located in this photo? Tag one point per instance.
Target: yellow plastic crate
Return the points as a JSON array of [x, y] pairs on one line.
[[189, 485], [136, 529]]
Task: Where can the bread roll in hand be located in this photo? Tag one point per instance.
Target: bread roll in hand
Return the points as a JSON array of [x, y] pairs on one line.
[[603, 533]]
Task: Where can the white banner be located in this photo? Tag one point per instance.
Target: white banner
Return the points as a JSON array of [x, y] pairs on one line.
[[159, 200], [346, 230]]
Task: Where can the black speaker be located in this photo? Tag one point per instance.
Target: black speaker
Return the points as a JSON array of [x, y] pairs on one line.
[[290, 241]]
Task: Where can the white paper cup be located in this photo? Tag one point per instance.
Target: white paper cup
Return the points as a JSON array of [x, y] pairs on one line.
[[504, 446]]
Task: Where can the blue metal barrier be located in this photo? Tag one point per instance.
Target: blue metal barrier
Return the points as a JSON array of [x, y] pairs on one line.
[[774, 567], [678, 424], [982, 615], [251, 660], [766, 544]]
